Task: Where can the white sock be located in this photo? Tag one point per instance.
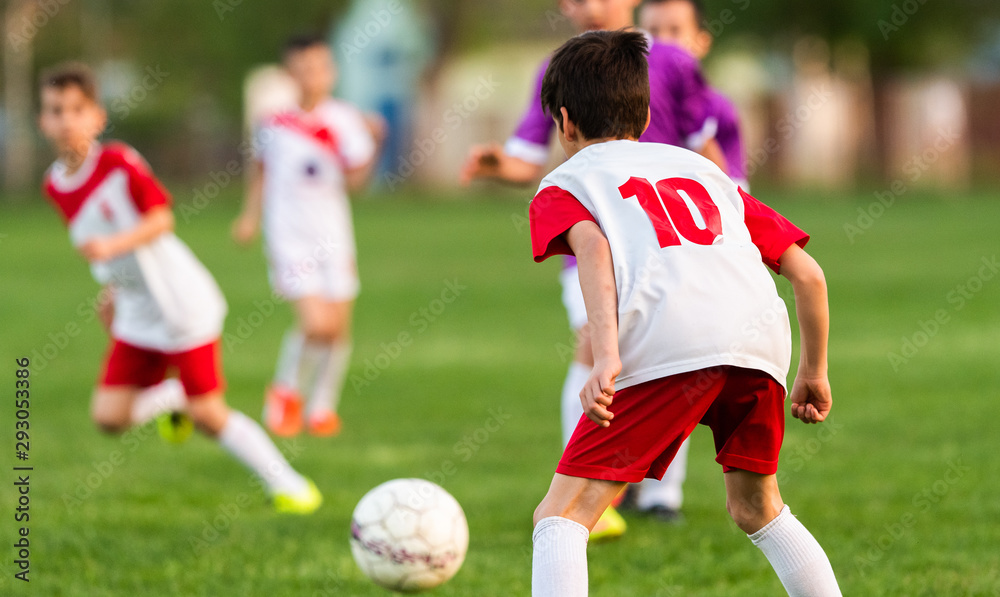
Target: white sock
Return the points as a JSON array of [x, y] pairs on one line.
[[330, 378], [166, 396], [796, 557], [286, 374], [314, 354], [668, 491], [246, 440], [572, 409], [559, 558]]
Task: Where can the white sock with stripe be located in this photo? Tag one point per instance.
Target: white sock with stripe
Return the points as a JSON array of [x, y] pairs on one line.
[[796, 557], [559, 558]]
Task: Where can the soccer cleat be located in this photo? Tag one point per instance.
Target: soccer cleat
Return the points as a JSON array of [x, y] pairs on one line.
[[324, 423], [304, 502], [665, 514], [174, 427], [283, 411], [609, 526]]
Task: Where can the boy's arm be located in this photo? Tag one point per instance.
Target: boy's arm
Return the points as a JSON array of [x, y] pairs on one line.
[[247, 224], [597, 279], [810, 397], [491, 161], [357, 178], [153, 223]]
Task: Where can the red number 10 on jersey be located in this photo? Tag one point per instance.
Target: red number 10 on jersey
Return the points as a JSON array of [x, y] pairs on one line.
[[671, 209]]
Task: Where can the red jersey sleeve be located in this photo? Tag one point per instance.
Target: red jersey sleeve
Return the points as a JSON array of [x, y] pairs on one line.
[[770, 231], [553, 211], [145, 189]]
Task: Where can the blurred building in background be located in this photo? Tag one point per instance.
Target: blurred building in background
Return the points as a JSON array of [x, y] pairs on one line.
[[831, 96]]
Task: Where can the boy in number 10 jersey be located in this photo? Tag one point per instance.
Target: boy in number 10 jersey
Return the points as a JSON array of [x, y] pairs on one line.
[[686, 324]]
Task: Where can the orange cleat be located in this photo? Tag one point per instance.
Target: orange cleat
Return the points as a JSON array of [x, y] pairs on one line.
[[283, 411], [324, 423]]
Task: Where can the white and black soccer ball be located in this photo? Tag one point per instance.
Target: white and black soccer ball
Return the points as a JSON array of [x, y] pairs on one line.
[[409, 535]]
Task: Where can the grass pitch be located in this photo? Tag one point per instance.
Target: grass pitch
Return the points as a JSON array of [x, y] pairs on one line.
[[460, 351]]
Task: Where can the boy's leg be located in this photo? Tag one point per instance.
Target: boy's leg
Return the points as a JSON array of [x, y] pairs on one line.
[[247, 441], [754, 502], [111, 407], [334, 357], [166, 396], [562, 524]]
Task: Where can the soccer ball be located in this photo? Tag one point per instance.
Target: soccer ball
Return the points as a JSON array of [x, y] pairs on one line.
[[408, 535]]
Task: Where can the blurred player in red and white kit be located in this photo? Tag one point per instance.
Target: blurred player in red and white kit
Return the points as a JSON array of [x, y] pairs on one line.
[[685, 321], [168, 312], [679, 105], [308, 159]]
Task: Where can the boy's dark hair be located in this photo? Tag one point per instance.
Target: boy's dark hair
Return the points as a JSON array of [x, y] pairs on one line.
[[602, 79], [70, 74], [304, 41], [697, 5]]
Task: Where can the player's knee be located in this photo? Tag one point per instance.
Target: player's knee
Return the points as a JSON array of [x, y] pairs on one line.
[[749, 514], [111, 424], [320, 332]]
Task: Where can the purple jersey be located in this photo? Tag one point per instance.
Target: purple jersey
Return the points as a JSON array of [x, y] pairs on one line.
[[728, 135], [678, 105]]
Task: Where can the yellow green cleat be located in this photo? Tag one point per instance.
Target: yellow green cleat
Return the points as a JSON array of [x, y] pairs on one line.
[[174, 427], [609, 526], [304, 502]]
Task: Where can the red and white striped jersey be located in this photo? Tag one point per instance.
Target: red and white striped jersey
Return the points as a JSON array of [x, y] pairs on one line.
[[164, 297], [689, 249]]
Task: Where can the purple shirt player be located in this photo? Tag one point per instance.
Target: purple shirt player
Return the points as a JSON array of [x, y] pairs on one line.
[[679, 105]]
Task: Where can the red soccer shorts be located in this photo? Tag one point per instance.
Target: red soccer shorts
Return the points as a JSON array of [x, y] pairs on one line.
[[199, 369], [743, 407]]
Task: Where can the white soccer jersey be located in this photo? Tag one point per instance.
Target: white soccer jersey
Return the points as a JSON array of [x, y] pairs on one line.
[[689, 249], [165, 299], [305, 155]]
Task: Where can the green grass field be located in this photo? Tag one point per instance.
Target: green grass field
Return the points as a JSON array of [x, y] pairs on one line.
[[901, 486]]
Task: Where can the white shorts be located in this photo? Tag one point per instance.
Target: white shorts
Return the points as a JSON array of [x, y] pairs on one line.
[[572, 297], [333, 277]]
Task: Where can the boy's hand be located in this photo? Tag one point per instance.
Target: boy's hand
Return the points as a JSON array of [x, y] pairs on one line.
[[377, 126], [106, 313], [245, 229], [811, 400], [599, 391], [483, 161], [101, 248]]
